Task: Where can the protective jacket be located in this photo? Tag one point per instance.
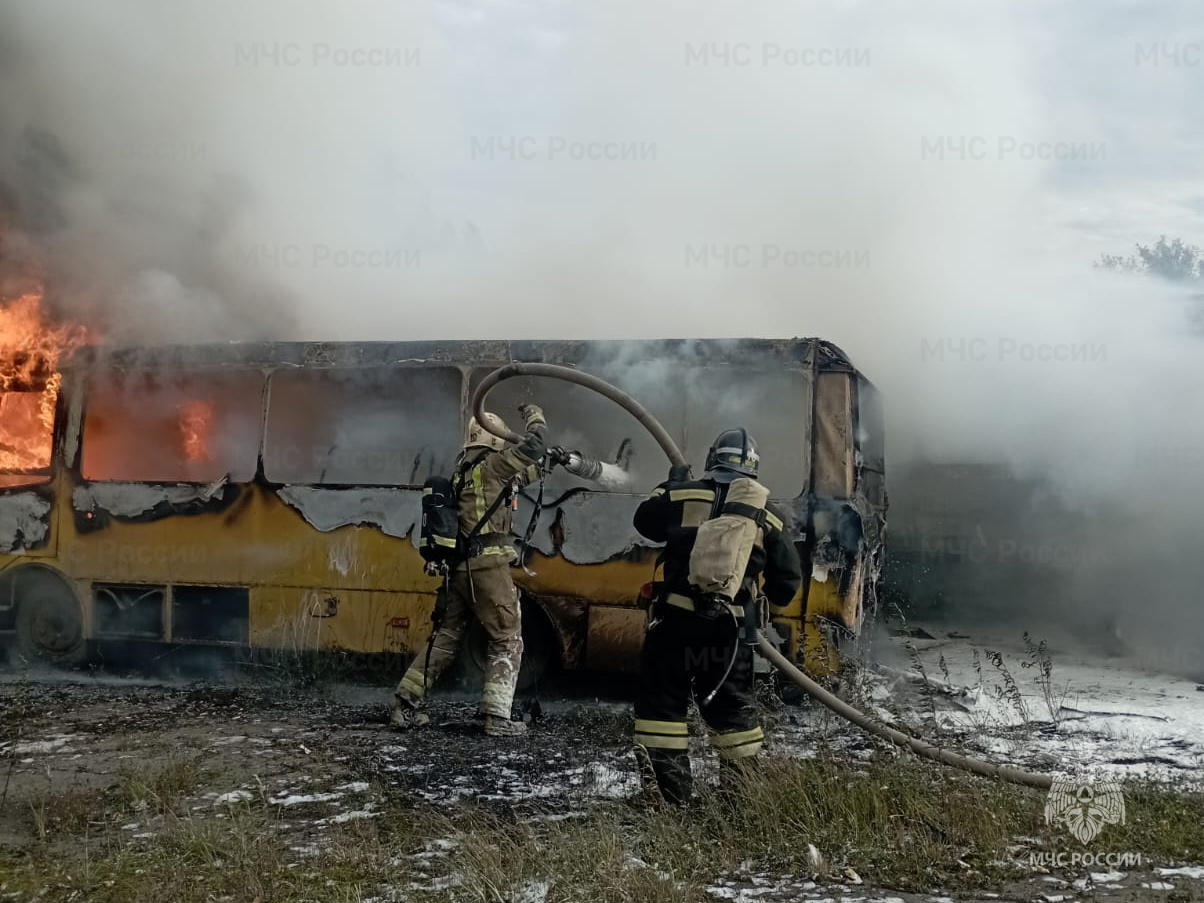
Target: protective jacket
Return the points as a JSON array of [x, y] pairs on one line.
[[484, 474], [688, 653], [672, 515], [481, 587]]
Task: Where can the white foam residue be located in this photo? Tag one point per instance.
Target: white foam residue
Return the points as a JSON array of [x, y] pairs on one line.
[[556, 816], [133, 499], [611, 779], [23, 521], [434, 849], [37, 746], [354, 787], [393, 511], [234, 796], [1157, 885], [1187, 871], [1121, 720], [298, 799], [1107, 879], [447, 882], [531, 892], [759, 888], [354, 815]]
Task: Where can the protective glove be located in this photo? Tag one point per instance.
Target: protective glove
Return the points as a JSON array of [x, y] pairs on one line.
[[532, 415], [532, 447]]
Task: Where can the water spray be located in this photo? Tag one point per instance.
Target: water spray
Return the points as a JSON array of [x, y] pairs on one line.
[[607, 475], [771, 652]]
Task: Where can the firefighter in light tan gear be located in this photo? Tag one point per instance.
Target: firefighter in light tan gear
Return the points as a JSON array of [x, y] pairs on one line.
[[479, 583]]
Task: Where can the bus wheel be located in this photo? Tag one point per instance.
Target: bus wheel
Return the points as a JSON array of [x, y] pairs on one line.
[[50, 623], [541, 649]]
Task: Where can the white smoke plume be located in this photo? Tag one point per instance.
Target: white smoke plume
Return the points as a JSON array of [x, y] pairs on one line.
[[924, 184]]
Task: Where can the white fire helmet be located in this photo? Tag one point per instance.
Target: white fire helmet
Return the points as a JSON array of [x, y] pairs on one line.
[[479, 437]]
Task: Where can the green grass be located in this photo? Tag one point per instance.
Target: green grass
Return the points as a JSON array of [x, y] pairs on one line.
[[241, 858], [92, 811], [899, 822], [1162, 821], [163, 787]]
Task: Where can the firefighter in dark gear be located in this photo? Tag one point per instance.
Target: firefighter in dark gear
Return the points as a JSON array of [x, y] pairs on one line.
[[693, 645], [480, 585]]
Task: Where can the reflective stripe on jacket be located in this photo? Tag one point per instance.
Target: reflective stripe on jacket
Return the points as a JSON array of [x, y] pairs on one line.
[[486, 475], [672, 515]]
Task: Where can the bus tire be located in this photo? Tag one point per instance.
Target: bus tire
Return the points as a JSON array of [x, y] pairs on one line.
[[50, 622], [541, 650]]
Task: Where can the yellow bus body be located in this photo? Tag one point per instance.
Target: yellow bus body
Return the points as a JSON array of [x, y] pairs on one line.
[[259, 563]]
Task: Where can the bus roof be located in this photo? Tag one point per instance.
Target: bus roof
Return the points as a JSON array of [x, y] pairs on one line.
[[797, 353]]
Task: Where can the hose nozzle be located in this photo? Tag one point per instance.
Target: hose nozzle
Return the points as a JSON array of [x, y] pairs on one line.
[[582, 465], [579, 464]]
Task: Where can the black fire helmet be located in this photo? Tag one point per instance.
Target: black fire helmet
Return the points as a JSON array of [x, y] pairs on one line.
[[732, 455]]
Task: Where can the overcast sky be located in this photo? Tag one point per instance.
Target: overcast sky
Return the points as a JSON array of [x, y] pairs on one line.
[[323, 149], [882, 174]]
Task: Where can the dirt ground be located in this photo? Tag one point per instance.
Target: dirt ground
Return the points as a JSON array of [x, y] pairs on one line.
[[324, 757]]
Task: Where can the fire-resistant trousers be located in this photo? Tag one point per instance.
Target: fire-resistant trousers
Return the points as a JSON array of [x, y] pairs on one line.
[[480, 588], [685, 653]]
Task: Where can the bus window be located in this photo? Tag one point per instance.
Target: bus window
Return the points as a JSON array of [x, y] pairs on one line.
[[169, 426], [579, 418], [25, 438], [392, 426], [772, 405], [870, 426]]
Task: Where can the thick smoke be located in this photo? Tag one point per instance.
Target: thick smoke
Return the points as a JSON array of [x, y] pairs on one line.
[[924, 184]]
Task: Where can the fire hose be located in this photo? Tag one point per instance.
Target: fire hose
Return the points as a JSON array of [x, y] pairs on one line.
[[813, 689]]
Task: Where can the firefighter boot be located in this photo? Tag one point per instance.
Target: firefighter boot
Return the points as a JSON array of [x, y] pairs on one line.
[[405, 715], [497, 726], [649, 795]]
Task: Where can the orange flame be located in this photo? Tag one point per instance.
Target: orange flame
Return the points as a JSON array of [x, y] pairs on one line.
[[196, 418], [30, 350]]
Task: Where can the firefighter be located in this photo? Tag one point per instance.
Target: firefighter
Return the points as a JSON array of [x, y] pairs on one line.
[[693, 645], [479, 584]]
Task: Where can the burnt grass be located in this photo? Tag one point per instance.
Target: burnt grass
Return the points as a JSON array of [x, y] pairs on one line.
[[133, 791]]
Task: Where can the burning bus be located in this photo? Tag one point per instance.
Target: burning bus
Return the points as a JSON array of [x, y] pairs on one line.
[[264, 496]]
